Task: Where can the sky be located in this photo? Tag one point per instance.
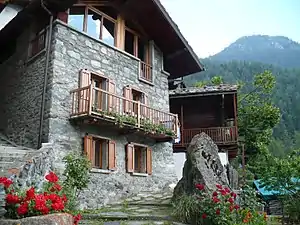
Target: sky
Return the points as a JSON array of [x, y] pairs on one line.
[[211, 25]]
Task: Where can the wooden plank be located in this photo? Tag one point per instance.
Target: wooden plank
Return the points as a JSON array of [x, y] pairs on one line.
[[130, 158], [112, 155], [149, 161]]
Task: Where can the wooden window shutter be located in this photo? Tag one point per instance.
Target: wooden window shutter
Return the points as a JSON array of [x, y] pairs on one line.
[[128, 106], [130, 158], [84, 95], [145, 110], [112, 100], [84, 78], [88, 147], [149, 161], [112, 155]]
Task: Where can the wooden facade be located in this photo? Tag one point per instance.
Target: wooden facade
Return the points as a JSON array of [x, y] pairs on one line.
[[212, 111]]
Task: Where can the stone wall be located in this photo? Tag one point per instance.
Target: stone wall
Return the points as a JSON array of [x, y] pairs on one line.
[[21, 88], [72, 51]]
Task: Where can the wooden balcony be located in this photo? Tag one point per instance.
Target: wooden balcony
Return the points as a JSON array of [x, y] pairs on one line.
[[222, 136], [146, 72], [100, 105]]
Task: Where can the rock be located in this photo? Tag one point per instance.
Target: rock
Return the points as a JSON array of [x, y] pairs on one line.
[[202, 166], [51, 219], [233, 177]]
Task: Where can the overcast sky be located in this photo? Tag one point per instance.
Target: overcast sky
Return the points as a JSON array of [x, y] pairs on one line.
[[211, 25]]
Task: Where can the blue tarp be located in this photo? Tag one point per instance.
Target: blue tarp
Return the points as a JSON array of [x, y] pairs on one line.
[[269, 194]]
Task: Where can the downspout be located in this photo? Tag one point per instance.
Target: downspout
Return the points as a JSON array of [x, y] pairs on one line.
[[42, 113]]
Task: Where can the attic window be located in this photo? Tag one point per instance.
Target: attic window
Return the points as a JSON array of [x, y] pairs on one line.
[[37, 44]]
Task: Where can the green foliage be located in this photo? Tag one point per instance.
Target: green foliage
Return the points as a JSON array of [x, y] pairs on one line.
[[249, 198], [218, 208], [216, 80], [277, 174], [257, 114], [77, 177], [200, 84]]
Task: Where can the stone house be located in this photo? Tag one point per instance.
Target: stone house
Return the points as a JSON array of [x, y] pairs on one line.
[[92, 76]]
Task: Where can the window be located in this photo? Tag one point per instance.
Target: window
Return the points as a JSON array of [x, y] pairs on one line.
[[94, 22], [131, 107], [141, 49], [102, 90], [138, 159], [37, 43], [101, 152]]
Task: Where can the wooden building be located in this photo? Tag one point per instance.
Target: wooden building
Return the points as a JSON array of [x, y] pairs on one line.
[[211, 109]]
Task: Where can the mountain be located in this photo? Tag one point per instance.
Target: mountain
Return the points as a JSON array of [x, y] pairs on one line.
[[276, 50], [252, 55]]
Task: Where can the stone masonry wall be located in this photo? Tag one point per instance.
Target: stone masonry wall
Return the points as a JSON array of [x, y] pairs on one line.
[[21, 87], [73, 51]]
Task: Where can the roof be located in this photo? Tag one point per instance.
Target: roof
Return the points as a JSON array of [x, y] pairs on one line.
[[206, 90], [180, 59]]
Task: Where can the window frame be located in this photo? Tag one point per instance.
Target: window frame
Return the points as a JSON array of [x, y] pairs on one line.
[[34, 40], [89, 151], [130, 159]]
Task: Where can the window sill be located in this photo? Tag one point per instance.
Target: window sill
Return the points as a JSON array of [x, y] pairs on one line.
[[95, 170], [140, 174], [146, 81], [35, 56]]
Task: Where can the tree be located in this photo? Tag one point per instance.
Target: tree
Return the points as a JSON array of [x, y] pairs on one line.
[[257, 115]]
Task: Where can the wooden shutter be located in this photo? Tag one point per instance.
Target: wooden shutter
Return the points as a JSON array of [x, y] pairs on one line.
[[145, 110], [112, 155], [128, 95], [149, 161], [84, 78], [88, 147], [112, 100], [130, 158], [84, 95]]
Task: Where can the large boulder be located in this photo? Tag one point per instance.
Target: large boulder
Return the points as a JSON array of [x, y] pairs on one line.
[[202, 166]]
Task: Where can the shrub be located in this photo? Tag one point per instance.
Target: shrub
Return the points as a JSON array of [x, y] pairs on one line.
[[218, 208], [77, 177], [31, 202]]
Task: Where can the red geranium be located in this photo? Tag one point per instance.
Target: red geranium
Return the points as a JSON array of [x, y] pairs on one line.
[[231, 200], [55, 187], [51, 177], [22, 209], [216, 200], [219, 186], [76, 219], [218, 211], [12, 199], [215, 194], [204, 216], [30, 194], [200, 187]]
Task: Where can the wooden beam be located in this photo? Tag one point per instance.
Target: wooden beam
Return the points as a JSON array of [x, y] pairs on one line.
[[235, 113]]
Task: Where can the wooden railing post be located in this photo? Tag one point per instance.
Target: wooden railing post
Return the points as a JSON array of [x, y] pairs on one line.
[[138, 114]]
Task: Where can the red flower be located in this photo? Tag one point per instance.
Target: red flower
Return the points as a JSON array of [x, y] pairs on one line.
[[231, 207], [64, 198], [231, 200], [236, 207], [57, 206], [219, 186], [233, 195], [76, 219], [218, 211], [223, 192], [215, 194], [204, 216], [12, 199], [30, 194], [40, 204], [227, 190], [216, 200], [200, 187], [22, 209], [51, 177], [55, 187], [6, 183]]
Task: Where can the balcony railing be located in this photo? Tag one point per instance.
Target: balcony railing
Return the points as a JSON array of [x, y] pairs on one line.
[[92, 101], [146, 72], [220, 135]]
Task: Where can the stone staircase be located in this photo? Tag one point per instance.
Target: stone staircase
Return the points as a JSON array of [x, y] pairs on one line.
[[12, 158]]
